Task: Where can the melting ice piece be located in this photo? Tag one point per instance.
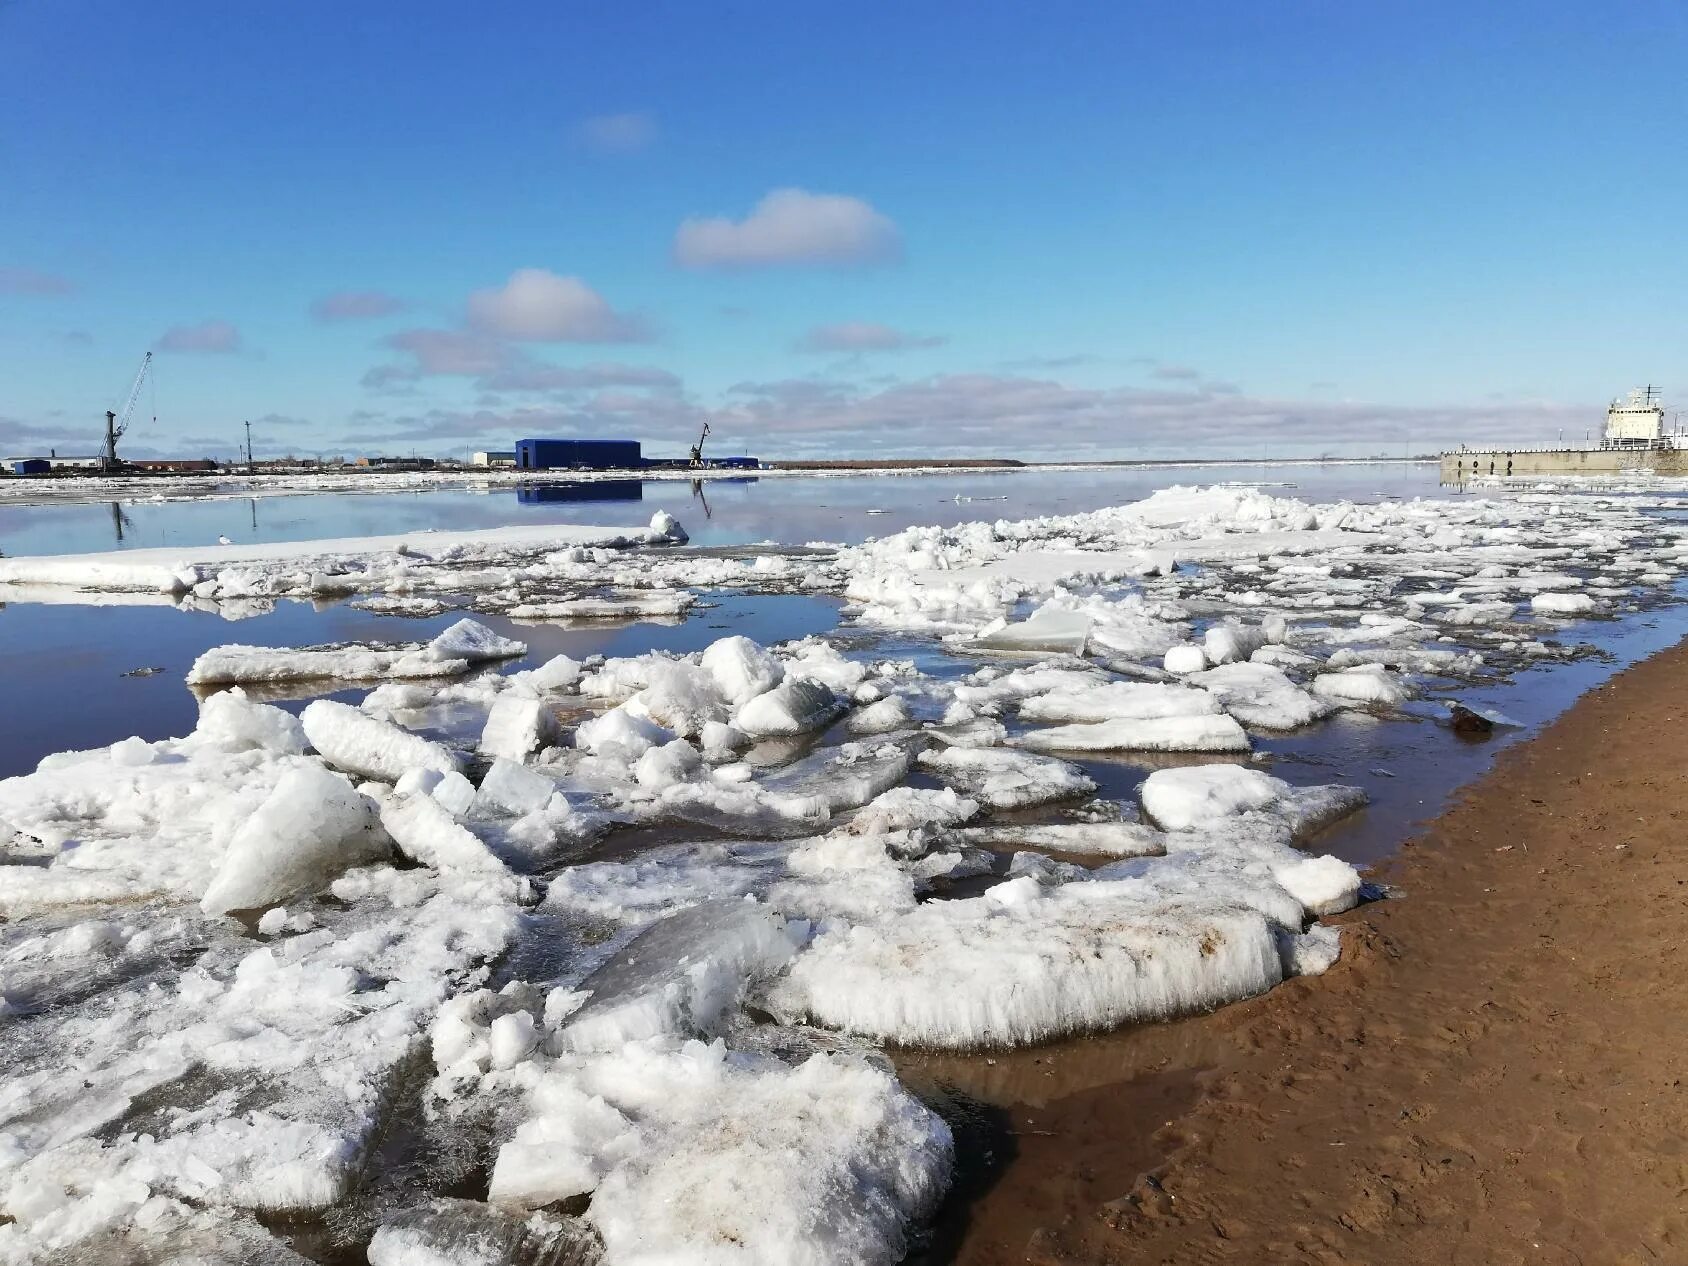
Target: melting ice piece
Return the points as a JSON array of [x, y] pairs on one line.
[[1049, 632], [313, 826], [908, 808], [1187, 658], [742, 669], [746, 809], [513, 788], [1231, 641], [232, 722], [1363, 683], [844, 777], [426, 832], [1562, 603], [1004, 779], [1023, 965], [248, 664], [469, 1233], [796, 707], [881, 717], [1119, 701], [1154, 734], [623, 606], [517, 727], [1310, 953], [473, 641], [1261, 696], [680, 976], [669, 1139], [1086, 839], [620, 728], [1201, 795], [360, 744]]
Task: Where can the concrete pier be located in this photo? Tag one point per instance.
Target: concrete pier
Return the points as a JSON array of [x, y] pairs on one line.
[[1467, 464]]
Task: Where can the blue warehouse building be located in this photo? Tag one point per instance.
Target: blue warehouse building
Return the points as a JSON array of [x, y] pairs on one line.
[[578, 455]]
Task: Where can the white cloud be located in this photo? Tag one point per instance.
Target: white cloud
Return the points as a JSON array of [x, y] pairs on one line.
[[497, 366], [616, 133], [27, 281], [207, 336], [356, 305], [539, 306], [791, 226], [865, 336]]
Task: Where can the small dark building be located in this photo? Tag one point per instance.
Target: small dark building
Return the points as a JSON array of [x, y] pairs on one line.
[[578, 455], [32, 466]]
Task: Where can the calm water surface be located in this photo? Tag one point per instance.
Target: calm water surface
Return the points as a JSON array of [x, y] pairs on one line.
[[719, 511]]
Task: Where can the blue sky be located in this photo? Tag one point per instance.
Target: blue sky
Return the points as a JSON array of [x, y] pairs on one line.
[[1085, 230]]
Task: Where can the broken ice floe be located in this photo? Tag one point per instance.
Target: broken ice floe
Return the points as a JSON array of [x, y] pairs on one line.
[[183, 1070]]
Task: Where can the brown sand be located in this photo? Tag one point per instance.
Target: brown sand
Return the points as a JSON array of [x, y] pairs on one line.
[[1496, 1072]]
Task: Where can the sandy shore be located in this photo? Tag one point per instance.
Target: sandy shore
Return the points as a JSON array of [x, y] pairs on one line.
[[1496, 1072]]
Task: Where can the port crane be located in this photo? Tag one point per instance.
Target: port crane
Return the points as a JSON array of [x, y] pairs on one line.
[[697, 449], [117, 423]]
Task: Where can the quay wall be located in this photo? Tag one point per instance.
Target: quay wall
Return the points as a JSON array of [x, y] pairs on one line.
[[1457, 467]]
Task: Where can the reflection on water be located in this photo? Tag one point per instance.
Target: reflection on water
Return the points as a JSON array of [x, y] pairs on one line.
[[727, 510], [591, 490]]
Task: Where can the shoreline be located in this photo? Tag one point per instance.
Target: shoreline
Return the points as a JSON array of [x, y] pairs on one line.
[[1495, 1071]]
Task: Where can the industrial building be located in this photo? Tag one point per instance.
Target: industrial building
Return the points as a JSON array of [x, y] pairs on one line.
[[578, 455], [501, 458], [28, 465]]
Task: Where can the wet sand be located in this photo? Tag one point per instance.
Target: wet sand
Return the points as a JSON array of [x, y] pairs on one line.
[[1496, 1071]]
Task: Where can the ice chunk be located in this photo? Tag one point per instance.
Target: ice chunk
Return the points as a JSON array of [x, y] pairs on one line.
[[1022, 965], [620, 731], [1119, 701], [908, 808], [556, 674], [881, 717], [223, 665], [664, 766], [1261, 696], [468, 1233], [657, 603], [796, 707], [1004, 779], [1323, 885], [472, 641], [742, 669], [1156, 734], [1084, 839], [1201, 795], [665, 527], [1231, 642], [426, 832], [746, 809], [455, 792], [234, 723], [1562, 603], [672, 1139], [1364, 683], [516, 728], [1050, 632], [313, 826], [512, 788], [359, 744], [1310, 953], [680, 976], [680, 697], [1187, 658], [844, 777]]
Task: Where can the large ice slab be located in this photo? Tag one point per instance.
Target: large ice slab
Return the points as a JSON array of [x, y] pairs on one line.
[[1023, 965]]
